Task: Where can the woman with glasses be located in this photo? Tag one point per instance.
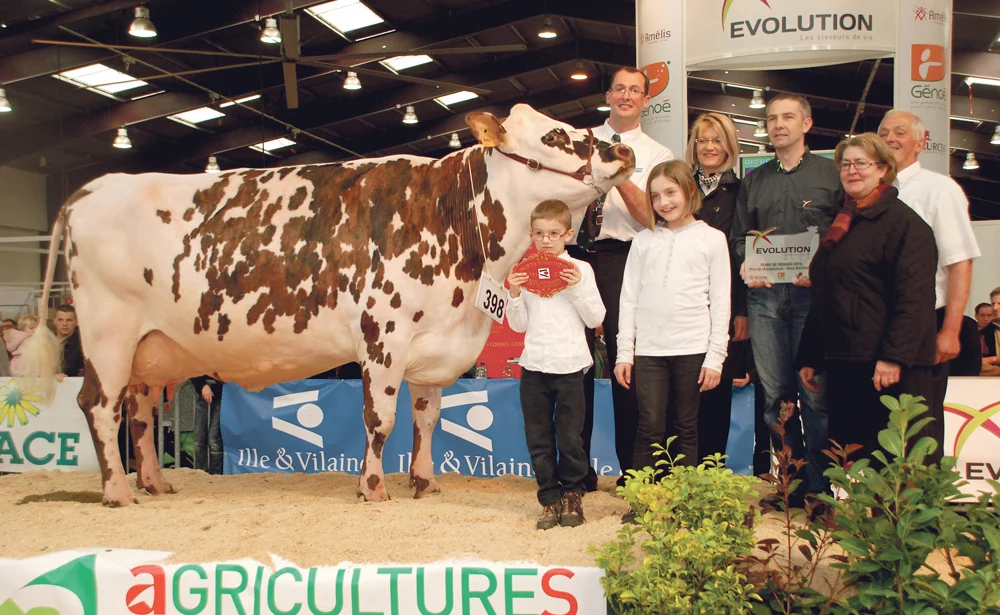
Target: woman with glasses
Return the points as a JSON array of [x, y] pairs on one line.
[[871, 327], [713, 152]]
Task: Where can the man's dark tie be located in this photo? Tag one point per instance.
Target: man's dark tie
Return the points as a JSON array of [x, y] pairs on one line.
[[592, 220]]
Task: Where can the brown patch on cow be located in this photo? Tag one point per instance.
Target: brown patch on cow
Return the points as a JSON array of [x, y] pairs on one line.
[[388, 287], [138, 428], [285, 171], [390, 326], [388, 360], [266, 178], [223, 325], [297, 199], [176, 288], [189, 214], [458, 297], [74, 251], [418, 316], [559, 139], [91, 394], [378, 443], [373, 481], [420, 404], [371, 303], [370, 331], [164, 215], [390, 391], [371, 419], [396, 301], [73, 281], [147, 275]]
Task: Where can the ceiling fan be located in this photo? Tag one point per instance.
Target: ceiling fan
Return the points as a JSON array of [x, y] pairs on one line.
[[291, 56]]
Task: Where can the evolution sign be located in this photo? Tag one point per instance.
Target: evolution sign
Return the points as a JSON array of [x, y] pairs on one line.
[[784, 34]]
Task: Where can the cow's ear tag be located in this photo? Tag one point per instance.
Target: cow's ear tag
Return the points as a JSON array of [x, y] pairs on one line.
[[486, 128], [492, 298]]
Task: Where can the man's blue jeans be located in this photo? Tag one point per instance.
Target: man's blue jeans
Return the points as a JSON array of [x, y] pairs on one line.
[[777, 316]]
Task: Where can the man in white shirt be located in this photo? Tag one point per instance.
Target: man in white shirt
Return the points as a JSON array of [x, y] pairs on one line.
[[941, 203], [625, 213]]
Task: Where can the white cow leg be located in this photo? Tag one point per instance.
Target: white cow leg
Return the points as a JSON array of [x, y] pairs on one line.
[[100, 401], [381, 388], [426, 411], [139, 402]]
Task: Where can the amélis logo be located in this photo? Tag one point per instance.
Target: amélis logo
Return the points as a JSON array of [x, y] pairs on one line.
[[478, 417], [927, 62], [72, 586], [17, 402], [727, 4], [758, 235], [309, 417], [922, 14]]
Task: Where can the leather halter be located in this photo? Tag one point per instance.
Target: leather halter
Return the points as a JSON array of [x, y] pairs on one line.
[[585, 175]]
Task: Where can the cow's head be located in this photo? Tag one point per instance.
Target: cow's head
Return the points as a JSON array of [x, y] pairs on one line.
[[531, 135]]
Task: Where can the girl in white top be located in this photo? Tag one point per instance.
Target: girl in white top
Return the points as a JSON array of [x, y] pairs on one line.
[[674, 315]]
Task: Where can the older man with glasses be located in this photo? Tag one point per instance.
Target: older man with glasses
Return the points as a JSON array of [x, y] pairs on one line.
[[605, 235]]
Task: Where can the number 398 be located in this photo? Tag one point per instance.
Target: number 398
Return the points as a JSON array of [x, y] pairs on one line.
[[494, 303]]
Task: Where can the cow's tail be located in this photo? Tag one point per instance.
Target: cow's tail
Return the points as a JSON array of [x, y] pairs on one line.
[[42, 353]]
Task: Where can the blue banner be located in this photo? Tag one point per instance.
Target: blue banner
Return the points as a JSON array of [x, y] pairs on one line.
[[316, 426]]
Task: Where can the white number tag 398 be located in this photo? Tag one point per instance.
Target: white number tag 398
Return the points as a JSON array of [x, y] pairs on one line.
[[492, 298]]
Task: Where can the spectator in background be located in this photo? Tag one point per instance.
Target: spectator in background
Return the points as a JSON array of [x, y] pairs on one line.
[[969, 361], [207, 426], [984, 315], [990, 336], [69, 338], [4, 360], [9, 325], [15, 339], [713, 151], [871, 327]]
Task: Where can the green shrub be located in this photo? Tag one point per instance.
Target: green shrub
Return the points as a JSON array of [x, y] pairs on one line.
[[695, 525]]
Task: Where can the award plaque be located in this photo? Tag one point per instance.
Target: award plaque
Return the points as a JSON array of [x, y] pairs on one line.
[[543, 269], [780, 259]]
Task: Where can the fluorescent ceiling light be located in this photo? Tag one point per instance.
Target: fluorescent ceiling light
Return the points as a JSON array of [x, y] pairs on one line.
[[982, 81], [604, 107], [399, 63], [141, 96], [100, 79], [273, 144], [196, 116], [741, 87], [964, 119], [456, 97], [345, 15], [740, 120], [239, 100]]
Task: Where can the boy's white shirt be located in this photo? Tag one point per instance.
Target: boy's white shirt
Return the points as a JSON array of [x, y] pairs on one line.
[[555, 340], [675, 297]]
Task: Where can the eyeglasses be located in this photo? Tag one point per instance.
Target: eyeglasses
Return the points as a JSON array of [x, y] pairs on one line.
[[715, 142], [632, 91], [540, 235], [860, 165]]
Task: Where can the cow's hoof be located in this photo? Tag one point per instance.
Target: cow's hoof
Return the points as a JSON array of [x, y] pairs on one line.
[[425, 487], [373, 490], [120, 502], [157, 487]]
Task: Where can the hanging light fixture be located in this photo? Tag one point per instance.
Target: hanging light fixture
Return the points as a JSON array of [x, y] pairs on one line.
[[410, 117], [995, 140], [547, 30], [122, 141], [4, 103], [757, 102], [761, 148], [141, 26], [579, 73], [604, 107], [270, 34], [970, 164], [213, 165], [352, 82], [761, 130], [454, 143]]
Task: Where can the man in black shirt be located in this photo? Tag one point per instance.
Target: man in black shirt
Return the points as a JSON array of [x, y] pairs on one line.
[[794, 191], [69, 338]]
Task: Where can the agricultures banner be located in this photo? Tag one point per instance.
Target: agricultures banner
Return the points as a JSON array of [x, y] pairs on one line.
[[121, 581]]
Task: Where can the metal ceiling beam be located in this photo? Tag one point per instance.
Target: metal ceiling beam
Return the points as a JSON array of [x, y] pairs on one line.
[[18, 35], [977, 8], [37, 139], [46, 61], [976, 63]]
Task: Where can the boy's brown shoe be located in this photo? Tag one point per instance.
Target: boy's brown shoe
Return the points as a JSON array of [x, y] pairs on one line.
[[573, 514], [550, 517]]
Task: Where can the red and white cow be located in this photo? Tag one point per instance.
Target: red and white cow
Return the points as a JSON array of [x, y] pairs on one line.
[[268, 275]]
